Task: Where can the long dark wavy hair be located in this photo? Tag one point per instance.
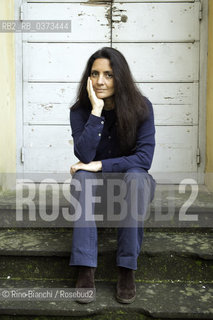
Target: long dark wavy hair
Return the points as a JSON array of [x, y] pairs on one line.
[[130, 105]]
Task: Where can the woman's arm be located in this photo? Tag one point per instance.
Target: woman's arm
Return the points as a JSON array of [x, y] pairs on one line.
[[144, 152], [86, 133], [93, 166]]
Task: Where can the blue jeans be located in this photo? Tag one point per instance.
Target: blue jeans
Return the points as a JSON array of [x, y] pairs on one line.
[[130, 232]]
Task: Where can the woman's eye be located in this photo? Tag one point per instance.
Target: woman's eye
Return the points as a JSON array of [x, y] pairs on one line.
[[109, 75], [94, 74]]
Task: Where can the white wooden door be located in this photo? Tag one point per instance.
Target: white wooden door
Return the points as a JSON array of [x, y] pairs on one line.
[[52, 67], [161, 42]]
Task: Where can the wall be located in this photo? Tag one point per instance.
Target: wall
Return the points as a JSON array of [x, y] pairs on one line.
[[209, 114], [7, 94]]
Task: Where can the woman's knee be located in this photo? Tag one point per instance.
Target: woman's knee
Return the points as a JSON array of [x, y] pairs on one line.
[[142, 179], [136, 170], [138, 174], [82, 175]]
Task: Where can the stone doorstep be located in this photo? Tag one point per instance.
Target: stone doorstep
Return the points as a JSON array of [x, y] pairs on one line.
[[159, 300], [169, 209], [37, 254], [56, 242], [164, 195], [154, 268], [195, 218], [118, 315]]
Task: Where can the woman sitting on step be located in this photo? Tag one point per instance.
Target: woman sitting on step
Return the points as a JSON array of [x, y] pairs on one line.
[[113, 131]]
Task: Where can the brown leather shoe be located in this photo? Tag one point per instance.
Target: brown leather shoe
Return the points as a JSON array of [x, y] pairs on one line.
[[86, 281], [126, 289]]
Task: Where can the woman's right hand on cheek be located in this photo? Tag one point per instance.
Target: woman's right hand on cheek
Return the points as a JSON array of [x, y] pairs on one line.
[[97, 104]]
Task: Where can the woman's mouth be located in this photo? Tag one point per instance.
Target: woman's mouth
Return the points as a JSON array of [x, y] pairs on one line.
[[99, 90]]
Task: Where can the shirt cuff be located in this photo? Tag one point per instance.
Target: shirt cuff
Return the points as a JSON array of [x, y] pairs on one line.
[[106, 165], [94, 120]]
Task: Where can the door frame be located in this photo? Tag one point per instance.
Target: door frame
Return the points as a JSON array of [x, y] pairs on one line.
[[203, 90], [19, 92]]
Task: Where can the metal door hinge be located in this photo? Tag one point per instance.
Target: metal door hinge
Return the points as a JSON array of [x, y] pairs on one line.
[[198, 156], [21, 13], [200, 11], [22, 155]]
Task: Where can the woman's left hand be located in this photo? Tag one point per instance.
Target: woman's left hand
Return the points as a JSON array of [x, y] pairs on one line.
[[93, 166]]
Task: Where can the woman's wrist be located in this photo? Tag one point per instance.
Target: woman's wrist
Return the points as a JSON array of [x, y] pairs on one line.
[[96, 112], [97, 109]]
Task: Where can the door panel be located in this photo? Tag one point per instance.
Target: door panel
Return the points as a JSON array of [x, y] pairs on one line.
[[168, 22], [88, 24], [174, 103], [56, 62], [162, 62]]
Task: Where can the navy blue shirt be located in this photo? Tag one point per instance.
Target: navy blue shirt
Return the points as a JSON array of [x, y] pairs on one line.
[[95, 139]]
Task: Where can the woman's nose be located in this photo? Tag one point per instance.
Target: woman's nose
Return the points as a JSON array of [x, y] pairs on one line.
[[100, 79]]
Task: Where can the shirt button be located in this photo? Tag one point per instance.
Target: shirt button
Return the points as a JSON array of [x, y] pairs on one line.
[[109, 137], [102, 122], [99, 134]]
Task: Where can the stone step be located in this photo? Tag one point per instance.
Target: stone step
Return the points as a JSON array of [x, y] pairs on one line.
[[149, 268], [37, 254], [162, 300], [171, 208], [174, 277], [57, 242], [116, 315]]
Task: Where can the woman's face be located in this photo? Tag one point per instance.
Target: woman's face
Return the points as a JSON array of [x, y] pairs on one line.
[[102, 78]]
